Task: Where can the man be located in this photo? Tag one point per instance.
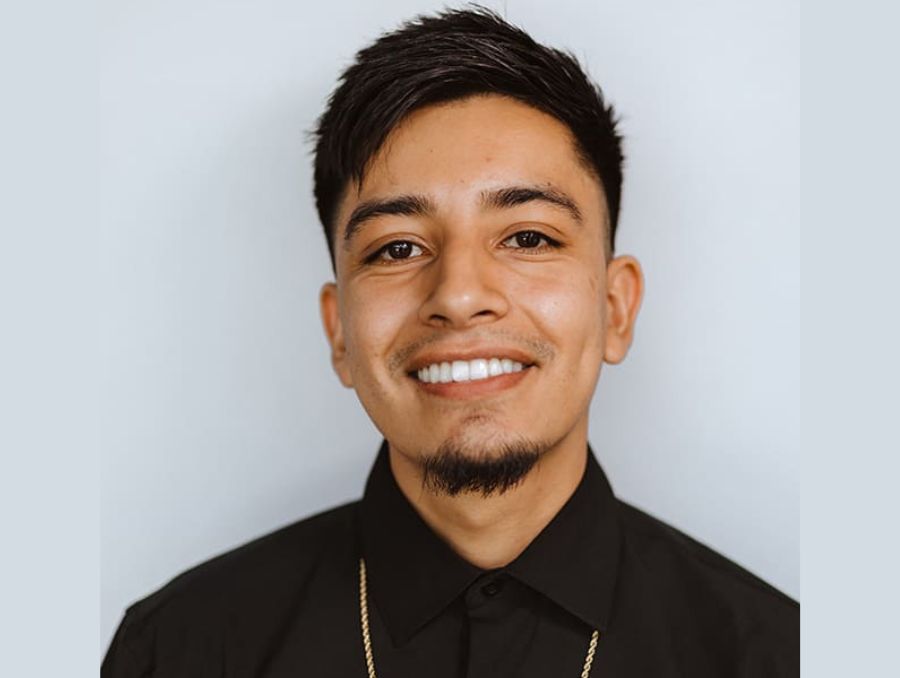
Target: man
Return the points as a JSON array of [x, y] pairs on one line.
[[468, 181]]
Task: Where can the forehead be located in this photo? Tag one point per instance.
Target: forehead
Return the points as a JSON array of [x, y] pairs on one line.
[[453, 151]]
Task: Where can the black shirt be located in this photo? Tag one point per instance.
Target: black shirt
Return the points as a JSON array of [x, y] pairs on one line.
[[287, 604]]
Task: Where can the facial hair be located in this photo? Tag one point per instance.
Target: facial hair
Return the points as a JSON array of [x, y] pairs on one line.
[[452, 471]]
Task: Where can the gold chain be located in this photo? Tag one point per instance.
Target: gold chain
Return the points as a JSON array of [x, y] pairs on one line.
[[367, 639]]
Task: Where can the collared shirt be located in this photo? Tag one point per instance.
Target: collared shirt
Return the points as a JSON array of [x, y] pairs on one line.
[[288, 604]]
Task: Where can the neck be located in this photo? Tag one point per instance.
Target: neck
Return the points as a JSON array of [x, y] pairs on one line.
[[490, 532]]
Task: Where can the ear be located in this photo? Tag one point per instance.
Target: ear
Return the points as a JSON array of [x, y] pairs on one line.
[[624, 291], [329, 307]]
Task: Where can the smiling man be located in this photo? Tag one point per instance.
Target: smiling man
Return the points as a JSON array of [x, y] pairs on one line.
[[468, 181]]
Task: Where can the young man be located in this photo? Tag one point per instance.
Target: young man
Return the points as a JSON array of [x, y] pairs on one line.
[[468, 181]]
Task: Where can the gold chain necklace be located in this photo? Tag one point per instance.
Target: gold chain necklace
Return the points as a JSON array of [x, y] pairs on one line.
[[367, 640]]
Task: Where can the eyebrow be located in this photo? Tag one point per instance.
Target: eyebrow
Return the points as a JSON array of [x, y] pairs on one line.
[[421, 206], [520, 195], [405, 205]]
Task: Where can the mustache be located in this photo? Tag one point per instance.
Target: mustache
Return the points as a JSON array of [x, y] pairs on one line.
[[539, 348]]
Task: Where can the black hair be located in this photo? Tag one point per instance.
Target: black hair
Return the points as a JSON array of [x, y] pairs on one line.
[[449, 56]]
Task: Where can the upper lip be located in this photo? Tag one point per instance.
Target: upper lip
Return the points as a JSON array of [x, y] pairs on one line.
[[448, 355]]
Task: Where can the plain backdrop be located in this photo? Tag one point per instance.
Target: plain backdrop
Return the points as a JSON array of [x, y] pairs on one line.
[[220, 418], [227, 421]]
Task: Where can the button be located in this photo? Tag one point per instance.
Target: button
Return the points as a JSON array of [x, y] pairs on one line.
[[492, 588]]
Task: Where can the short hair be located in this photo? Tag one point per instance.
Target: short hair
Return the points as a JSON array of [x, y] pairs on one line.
[[450, 56]]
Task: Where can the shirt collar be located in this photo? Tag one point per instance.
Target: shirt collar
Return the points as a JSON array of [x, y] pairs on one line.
[[413, 574]]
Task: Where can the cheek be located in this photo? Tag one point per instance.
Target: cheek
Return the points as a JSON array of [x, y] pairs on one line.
[[568, 307], [374, 319]]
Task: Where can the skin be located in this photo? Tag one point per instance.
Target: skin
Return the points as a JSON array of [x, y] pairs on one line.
[[458, 282]]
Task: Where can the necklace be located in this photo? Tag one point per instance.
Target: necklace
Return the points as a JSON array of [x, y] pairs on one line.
[[367, 640]]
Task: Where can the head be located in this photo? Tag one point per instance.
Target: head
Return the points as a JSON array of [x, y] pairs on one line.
[[468, 180]]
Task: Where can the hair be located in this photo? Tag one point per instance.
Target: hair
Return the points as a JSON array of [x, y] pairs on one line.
[[454, 470], [450, 56]]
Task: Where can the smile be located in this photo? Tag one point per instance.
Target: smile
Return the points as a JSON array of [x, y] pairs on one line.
[[467, 370]]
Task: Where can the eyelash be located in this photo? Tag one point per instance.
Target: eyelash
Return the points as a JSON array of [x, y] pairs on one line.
[[549, 243], [378, 255]]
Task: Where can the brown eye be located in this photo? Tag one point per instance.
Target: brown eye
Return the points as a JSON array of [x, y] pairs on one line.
[[530, 240], [397, 250]]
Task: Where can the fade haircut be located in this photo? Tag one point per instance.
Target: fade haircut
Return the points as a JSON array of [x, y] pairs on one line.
[[450, 56]]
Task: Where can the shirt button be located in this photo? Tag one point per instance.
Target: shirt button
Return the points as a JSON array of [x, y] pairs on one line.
[[491, 588]]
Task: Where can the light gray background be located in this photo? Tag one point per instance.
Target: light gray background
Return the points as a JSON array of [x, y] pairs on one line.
[[227, 420], [222, 419]]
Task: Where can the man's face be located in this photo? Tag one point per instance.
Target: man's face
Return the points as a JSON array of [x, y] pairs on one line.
[[472, 303]]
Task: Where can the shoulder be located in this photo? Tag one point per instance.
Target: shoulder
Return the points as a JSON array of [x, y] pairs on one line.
[[237, 593], [282, 556], [710, 597], [664, 544]]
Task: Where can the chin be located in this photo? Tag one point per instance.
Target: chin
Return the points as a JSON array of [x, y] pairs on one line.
[[480, 436], [480, 464]]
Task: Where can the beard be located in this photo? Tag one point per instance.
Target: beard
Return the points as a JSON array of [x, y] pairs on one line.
[[453, 469]]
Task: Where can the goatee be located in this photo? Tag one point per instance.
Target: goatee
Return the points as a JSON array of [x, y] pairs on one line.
[[452, 471]]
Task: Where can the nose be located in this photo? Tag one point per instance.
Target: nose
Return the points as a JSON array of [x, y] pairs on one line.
[[465, 290]]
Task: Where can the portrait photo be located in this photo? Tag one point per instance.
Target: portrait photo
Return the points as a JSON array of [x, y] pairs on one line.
[[453, 339]]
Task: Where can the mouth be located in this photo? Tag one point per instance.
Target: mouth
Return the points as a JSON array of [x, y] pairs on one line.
[[458, 371], [471, 377]]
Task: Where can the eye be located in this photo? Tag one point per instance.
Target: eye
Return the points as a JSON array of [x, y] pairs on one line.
[[530, 240], [398, 250]]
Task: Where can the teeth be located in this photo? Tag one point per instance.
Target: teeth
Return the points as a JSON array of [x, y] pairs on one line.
[[467, 370], [478, 369], [446, 373], [460, 370], [495, 367]]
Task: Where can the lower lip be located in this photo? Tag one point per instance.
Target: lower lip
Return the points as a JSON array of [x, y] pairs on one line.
[[461, 390]]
